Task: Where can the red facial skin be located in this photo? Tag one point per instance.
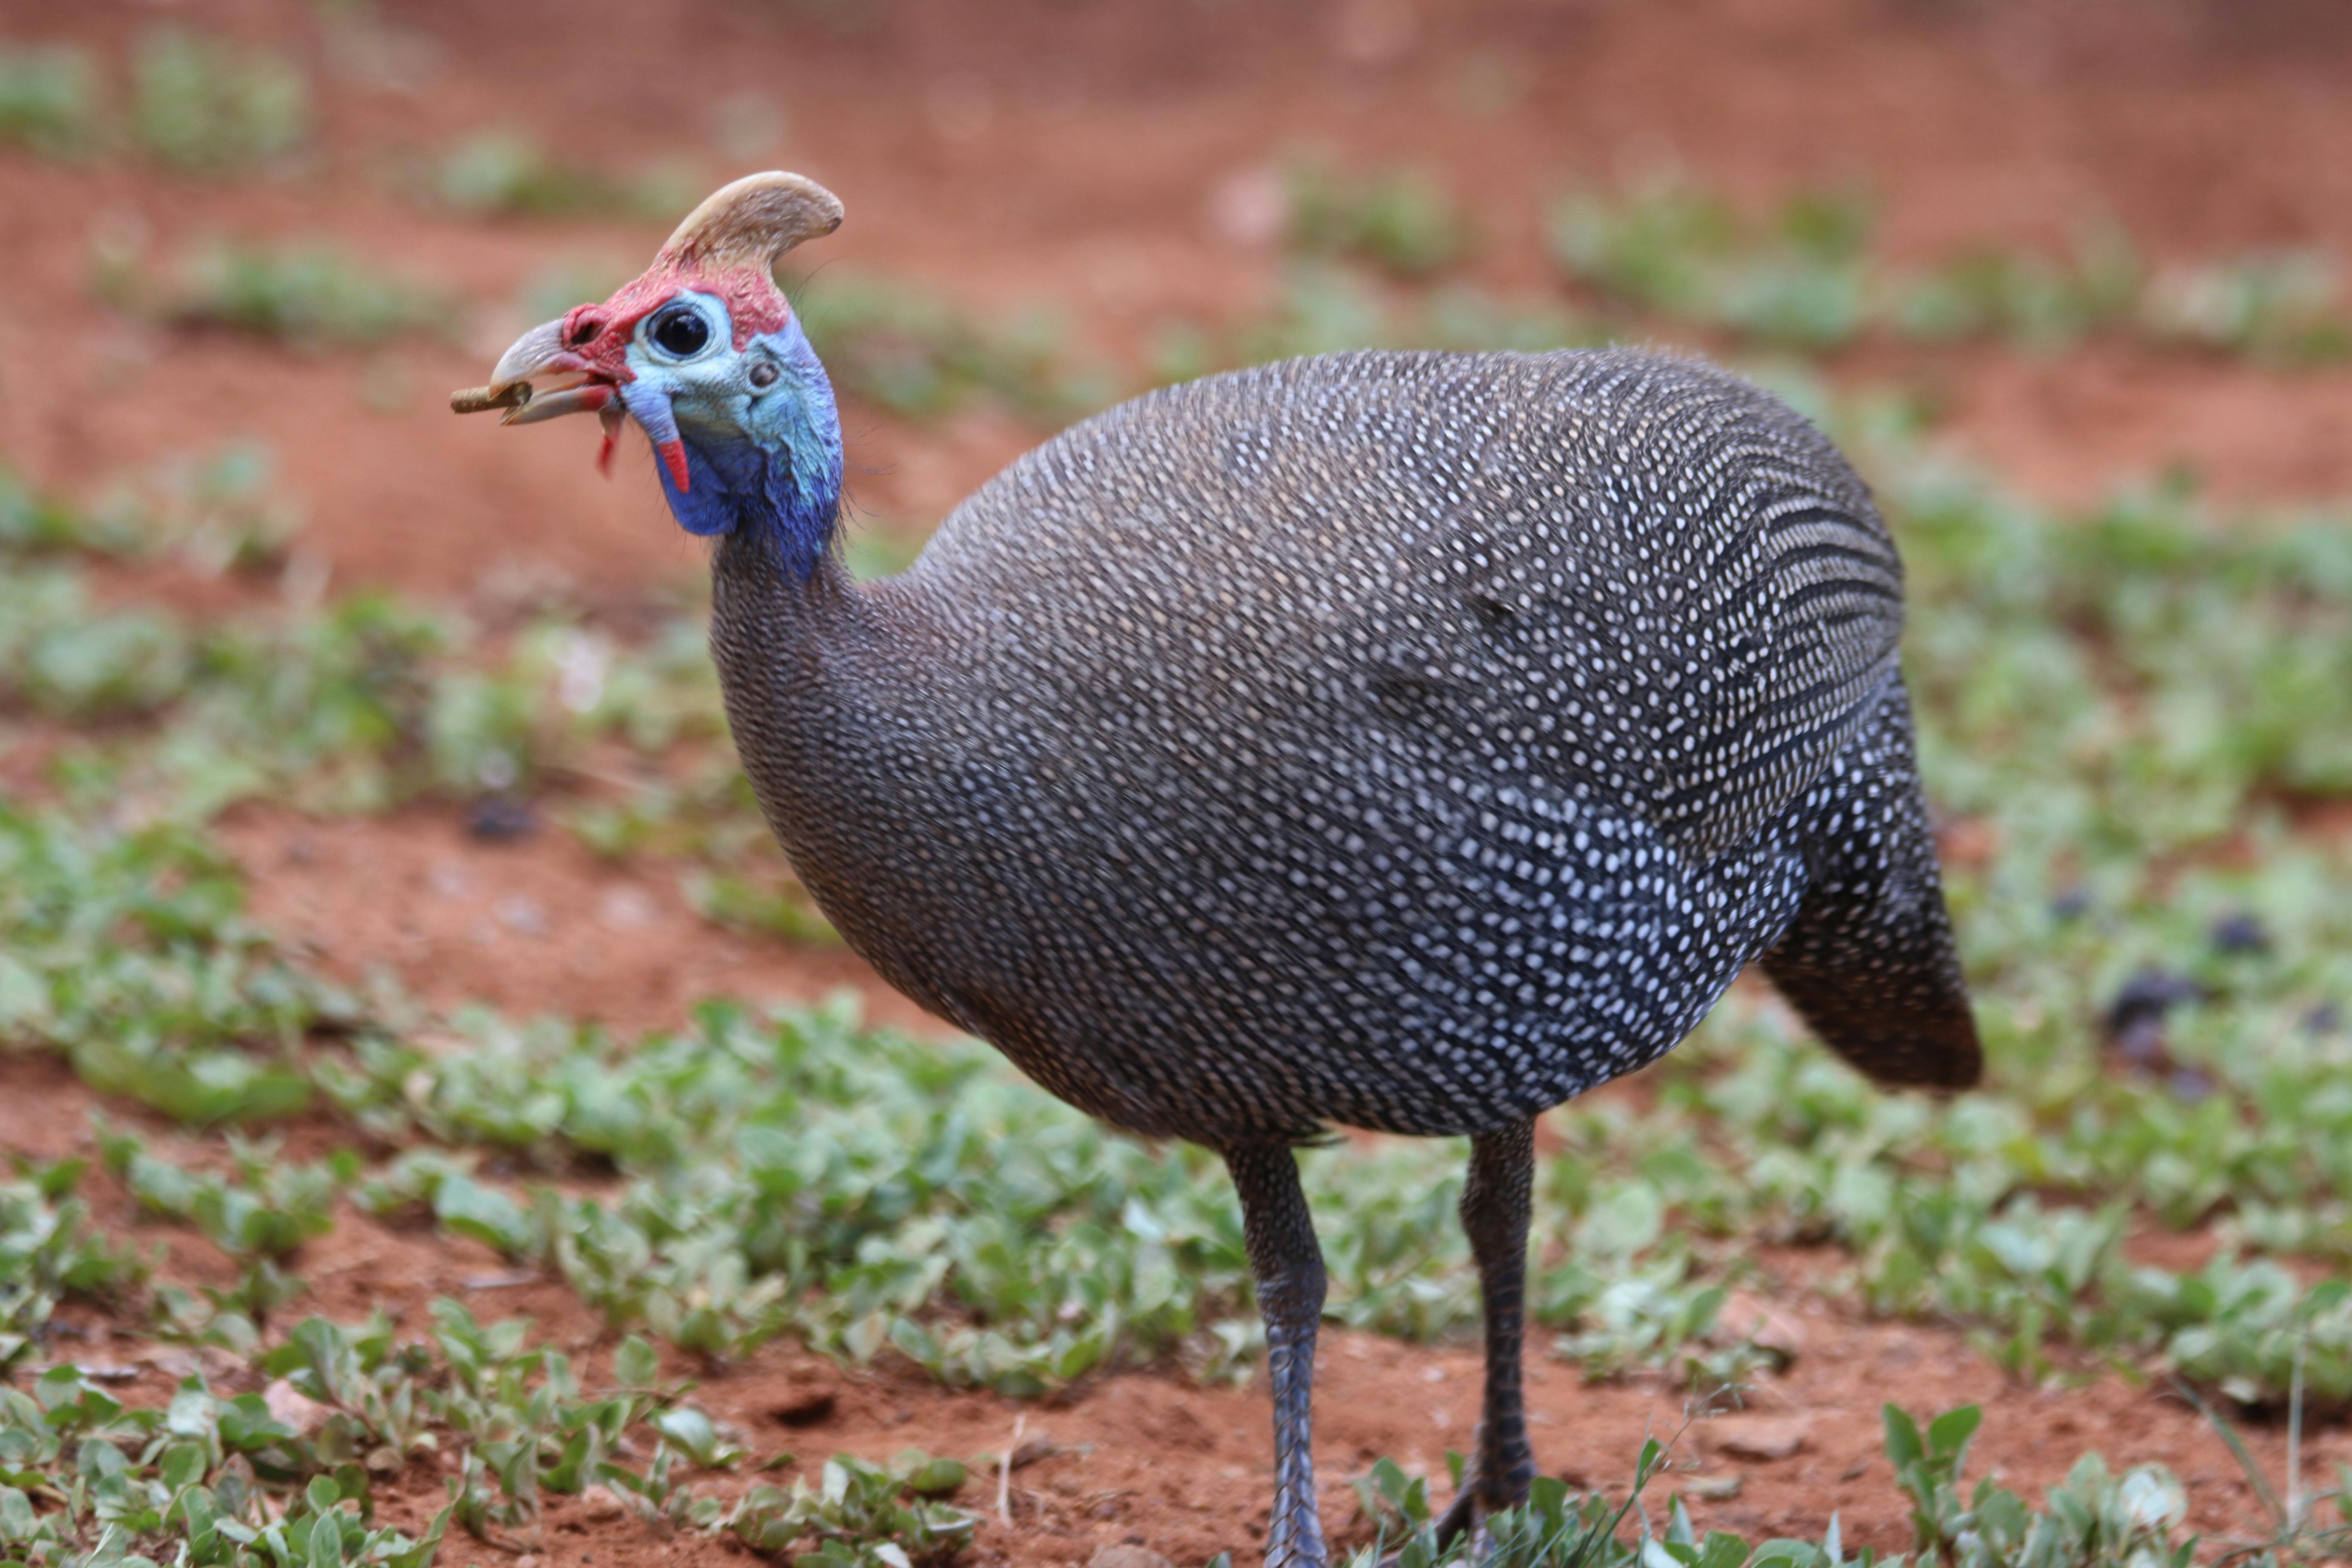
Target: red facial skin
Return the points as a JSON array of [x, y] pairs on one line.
[[596, 337]]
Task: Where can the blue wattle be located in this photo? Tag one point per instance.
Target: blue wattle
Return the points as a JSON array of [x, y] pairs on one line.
[[780, 478]]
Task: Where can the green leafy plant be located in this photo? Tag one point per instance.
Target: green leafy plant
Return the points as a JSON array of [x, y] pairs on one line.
[[261, 1216], [910, 352], [2285, 306], [225, 1482], [859, 1515], [1401, 219], [61, 656], [306, 295], [1672, 249], [507, 172], [50, 1252], [2091, 1520], [1802, 277], [49, 99], [777, 908], [201, 104], [2093, 1516], [196, 1477]]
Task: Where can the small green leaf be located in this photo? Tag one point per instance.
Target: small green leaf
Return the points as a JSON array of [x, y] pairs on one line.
[[634, 1364], [485, 1214]]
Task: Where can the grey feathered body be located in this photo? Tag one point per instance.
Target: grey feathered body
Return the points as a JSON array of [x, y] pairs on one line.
[[1403, 740]]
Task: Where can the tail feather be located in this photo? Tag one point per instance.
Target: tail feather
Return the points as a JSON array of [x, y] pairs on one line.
[[1869, 960]]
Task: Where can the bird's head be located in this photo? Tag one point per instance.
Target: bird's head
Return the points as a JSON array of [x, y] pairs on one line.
[[704, 353]]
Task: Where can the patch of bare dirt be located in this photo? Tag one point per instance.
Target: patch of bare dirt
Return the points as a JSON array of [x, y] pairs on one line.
[[531, 925], [2121, 416]]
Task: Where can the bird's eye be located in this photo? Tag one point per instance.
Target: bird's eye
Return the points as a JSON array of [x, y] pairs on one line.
[[681, 332]]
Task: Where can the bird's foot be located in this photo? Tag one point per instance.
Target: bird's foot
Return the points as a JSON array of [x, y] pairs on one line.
[[1467, 1512], [1472, 1518], [1470, 1509], [1478, 1499]]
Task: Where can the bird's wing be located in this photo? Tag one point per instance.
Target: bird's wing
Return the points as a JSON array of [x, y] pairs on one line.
[[1692, 575], [1668, 581]]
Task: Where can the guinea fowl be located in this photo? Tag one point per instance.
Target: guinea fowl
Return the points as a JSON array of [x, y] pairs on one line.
[[1403, 740]]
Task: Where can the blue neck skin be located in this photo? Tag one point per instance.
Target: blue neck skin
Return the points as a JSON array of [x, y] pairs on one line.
[[764, 463]]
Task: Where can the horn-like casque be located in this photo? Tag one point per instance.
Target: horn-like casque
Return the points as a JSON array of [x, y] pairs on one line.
[[753, 221]]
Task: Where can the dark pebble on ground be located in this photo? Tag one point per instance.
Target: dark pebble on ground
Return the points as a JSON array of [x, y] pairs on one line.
[[2239, 932], [2135, 1019], [499, 817]]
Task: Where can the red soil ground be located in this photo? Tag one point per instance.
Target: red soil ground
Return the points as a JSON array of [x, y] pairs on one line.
[[1071, 152], [1158, 1459]]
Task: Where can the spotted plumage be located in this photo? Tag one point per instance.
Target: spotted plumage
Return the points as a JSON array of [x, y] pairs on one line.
[[1407, 741], [1403, 740]]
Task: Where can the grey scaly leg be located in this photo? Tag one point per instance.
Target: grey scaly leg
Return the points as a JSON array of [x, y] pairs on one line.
[[1289, 1267], [1494, 1217]]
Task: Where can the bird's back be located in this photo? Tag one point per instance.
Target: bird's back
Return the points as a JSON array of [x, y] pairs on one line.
[[1402, 740], [1670, 558]]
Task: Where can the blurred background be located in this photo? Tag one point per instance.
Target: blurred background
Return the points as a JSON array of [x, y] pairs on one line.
[[340, 736]]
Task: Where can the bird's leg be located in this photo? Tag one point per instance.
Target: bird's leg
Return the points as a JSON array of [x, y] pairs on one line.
[[1287, 1265], [1495, 1215]]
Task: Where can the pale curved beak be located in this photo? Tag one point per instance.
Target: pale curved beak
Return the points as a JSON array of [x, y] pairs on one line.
[[538, 352]]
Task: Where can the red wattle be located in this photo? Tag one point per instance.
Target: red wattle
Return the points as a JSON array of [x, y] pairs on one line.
[[604, 453], [673, 453]]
